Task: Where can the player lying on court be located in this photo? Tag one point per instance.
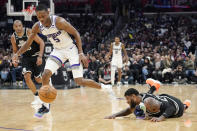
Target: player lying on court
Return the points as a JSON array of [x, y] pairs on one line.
[[31, 59], [157, 108], [57, 30]]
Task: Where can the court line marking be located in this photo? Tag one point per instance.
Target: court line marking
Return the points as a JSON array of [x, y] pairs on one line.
[[14, 129]]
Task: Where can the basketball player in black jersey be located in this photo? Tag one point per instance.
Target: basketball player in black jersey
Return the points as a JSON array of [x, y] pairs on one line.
[[31, 59], [157, 107]]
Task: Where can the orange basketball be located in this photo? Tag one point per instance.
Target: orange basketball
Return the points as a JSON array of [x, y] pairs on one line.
[[47, 93]]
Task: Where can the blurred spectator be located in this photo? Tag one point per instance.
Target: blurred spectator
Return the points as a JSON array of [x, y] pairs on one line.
[[167, 70], [127, 76], [4, 68], [179, 75], [93, 68], [147, 68], [157, 73], [105, 74], [189, 68], [136, 69]]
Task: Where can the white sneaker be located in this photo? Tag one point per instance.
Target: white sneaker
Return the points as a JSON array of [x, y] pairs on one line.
[[107, 88], [119, 84], [36, 101]]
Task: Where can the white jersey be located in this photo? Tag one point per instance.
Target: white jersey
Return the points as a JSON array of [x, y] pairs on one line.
[[117, 50], [59, 38]]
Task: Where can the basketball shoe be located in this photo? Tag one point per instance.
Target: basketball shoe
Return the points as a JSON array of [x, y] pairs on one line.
[[43, 110], [151, 82], [106, 88], [187, 104]]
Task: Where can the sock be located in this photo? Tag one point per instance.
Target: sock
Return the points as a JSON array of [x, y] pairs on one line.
[[50, 82], [47, 105], [152, 89], [112, 75], [36, 94]]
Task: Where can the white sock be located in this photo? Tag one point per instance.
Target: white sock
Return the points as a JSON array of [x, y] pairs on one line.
[[50, 82], [46, 105], [112, 75]]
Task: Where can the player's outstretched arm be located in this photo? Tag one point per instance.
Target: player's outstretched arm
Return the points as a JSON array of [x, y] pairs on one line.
[[125, 54], [62, 24], [14, 47], [121, 113]]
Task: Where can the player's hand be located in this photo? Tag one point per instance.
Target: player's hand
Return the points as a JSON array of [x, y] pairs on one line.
[[39, 61], [83, 59], [126, 59], [110, 117], [156, 119]]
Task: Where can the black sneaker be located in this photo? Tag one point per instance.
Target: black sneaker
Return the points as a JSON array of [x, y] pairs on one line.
[[43, 110]]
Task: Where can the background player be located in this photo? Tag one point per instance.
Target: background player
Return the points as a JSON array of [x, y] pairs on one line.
[[157, 107], [116, 52], [31, 59], [57, 29]]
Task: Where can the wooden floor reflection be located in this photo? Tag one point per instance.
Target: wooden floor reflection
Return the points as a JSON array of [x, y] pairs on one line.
[[84, 109]]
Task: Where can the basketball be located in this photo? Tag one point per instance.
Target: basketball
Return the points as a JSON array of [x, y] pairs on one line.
[[47, 93]]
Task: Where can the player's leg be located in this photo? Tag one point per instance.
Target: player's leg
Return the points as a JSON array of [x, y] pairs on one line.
[[154, 85], [30, 83], [27, 70], [77, 70], [38, 78], [119, 75], [52, 65], [113, 71], [119, 66]]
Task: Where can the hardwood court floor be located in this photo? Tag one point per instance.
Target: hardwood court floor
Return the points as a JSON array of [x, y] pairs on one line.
[[84, 109]]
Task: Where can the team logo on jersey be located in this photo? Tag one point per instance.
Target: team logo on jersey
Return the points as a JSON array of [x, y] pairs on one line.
[[54, 36], [21, 43]]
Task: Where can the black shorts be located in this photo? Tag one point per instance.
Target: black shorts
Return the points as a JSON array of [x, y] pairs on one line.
[[180, 104], [29, 65]]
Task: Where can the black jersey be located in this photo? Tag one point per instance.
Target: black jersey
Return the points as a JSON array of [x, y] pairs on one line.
[[170, 106], [33, 49]]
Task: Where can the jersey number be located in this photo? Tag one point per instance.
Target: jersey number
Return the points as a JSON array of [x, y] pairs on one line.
[[56, 39], [116, 52]]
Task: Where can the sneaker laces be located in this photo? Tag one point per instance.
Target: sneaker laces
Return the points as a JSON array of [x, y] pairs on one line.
[[42, 109]]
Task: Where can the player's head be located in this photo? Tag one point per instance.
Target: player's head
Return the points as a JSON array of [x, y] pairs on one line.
[[18, 26], [152, 105], [42, 13], [117, 39], [132, 97]]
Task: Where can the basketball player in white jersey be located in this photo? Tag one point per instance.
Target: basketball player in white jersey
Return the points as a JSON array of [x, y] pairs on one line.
[[116, 52], [57, 30]]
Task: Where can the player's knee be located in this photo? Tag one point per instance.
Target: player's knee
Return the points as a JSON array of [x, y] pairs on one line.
[[38, 79], [27, 76], [46, 75], [79, 81]]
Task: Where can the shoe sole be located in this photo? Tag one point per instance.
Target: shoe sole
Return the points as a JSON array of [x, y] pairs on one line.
[[187, 103], [153, 82]]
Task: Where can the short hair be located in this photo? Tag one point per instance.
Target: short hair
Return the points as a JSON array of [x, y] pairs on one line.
[[131, 91], [41, 7]]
